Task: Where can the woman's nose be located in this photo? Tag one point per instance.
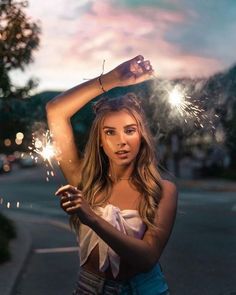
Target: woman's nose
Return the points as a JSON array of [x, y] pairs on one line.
[[121, 140]]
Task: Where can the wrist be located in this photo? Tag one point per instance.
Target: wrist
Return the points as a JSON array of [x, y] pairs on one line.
[[93, 220], [108, 82]]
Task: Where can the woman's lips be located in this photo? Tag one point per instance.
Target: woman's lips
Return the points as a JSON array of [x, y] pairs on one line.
[[122, 156]]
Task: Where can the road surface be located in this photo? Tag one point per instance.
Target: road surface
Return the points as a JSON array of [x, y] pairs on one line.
[[200, 258]]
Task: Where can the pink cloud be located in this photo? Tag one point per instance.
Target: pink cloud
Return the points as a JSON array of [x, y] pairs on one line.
[[73, 48], [114, 30], [115, 34]]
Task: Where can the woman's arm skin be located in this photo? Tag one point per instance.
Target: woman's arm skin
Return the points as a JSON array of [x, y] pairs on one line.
[[59, 112], [64, 106], [141, 254]]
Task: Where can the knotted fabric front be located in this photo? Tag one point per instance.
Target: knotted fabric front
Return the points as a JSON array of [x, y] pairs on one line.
[[126, 221]]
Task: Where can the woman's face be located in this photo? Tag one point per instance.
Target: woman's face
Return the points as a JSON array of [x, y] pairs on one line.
[[120, 137]]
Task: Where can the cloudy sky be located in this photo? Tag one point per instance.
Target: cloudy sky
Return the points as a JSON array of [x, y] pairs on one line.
[[181, 38]]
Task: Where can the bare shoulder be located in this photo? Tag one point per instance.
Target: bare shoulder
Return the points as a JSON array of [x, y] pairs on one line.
[[169, 190]]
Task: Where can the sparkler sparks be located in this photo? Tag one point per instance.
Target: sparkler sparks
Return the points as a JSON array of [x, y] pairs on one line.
[[180, 103], [176, 98], [8, 204], [183, 105], [42, 146]]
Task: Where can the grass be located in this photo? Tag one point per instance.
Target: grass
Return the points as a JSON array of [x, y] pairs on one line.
[[7, 232]]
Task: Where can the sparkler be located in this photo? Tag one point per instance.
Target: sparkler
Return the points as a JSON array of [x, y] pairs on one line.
[[8, 204], [42, 146], [180, 103]]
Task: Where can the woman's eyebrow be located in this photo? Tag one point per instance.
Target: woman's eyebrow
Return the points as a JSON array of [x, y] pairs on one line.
[[129, 125]]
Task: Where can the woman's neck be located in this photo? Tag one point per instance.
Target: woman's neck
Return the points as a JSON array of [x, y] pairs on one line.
[[117, 173]]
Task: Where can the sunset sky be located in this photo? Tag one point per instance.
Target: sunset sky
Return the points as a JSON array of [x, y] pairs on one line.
[[180, 37]]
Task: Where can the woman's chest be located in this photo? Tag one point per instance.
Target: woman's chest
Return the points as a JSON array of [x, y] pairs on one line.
[[124, 197]]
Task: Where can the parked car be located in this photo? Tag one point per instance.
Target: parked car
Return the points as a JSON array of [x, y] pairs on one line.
[[5, 165], [11, 158]]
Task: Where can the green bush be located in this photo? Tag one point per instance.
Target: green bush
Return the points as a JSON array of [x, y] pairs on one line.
[[229, 174], [7, 232], [4, 249], [7, 227]]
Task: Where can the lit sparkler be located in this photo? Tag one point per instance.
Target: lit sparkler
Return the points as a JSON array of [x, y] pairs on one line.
[[42, 146], [180, 102]]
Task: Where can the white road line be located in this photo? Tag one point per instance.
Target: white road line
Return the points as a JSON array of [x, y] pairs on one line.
[[60, 224], [56, 250]]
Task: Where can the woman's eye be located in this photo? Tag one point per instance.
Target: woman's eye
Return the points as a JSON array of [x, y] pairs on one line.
[[109, 132], [130, 131]]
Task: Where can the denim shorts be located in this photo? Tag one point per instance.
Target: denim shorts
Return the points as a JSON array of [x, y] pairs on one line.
[[91, 284]]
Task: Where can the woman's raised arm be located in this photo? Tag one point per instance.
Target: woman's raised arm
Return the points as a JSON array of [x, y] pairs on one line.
[[59, 112], [64, 106]]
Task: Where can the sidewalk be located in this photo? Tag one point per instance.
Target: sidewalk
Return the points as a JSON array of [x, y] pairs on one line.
[[22, 247], [20, 250]]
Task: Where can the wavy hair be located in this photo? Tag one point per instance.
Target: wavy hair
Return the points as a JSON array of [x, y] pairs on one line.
[[145, 176]]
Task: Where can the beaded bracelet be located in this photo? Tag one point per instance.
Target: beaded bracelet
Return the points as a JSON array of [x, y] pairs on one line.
[[100, 82]]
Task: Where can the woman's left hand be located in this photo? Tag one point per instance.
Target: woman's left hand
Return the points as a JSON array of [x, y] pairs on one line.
[[72, 202]]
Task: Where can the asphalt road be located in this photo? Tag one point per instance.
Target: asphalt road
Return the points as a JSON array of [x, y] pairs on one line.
[[200, 258]]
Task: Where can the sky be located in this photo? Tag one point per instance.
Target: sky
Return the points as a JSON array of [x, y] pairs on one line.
[[181, 38]]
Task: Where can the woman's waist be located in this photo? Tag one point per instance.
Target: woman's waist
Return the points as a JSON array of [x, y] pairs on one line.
[[152, 280], [92, 264]]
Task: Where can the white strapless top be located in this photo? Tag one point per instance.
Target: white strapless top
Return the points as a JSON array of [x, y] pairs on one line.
[[127, 221]]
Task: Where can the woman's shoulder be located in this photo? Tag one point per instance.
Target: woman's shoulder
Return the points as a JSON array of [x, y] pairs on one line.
[[168, 183], [169, 188]]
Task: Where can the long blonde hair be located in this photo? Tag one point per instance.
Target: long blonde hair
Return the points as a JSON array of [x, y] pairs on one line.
[[145, 176]]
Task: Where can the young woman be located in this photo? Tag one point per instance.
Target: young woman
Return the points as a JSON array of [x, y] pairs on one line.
[[122, 210]]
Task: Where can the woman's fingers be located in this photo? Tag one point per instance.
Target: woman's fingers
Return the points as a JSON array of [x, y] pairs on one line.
[[70, 198], [138, 58], [67, 189], [139, 66], [133, 71], [145, 66], [70, 201], [72, 209]]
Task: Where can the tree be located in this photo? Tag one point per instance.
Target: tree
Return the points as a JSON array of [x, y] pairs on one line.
[[230, 126], [19, 37]]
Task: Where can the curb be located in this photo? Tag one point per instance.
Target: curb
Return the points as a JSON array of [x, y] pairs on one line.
[[207, 185], [20, 249]]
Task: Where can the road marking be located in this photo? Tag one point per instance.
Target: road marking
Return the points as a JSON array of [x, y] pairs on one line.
[[60, 224], [42, 220], [56, 250]]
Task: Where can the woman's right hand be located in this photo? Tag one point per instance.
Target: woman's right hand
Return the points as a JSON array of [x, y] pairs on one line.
[[73, 202], [133, 71]]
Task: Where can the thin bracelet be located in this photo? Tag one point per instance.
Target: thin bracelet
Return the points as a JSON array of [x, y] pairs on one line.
[[100, 82]]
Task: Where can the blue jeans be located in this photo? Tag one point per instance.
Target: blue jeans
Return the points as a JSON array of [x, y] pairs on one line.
[[92, 284]]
